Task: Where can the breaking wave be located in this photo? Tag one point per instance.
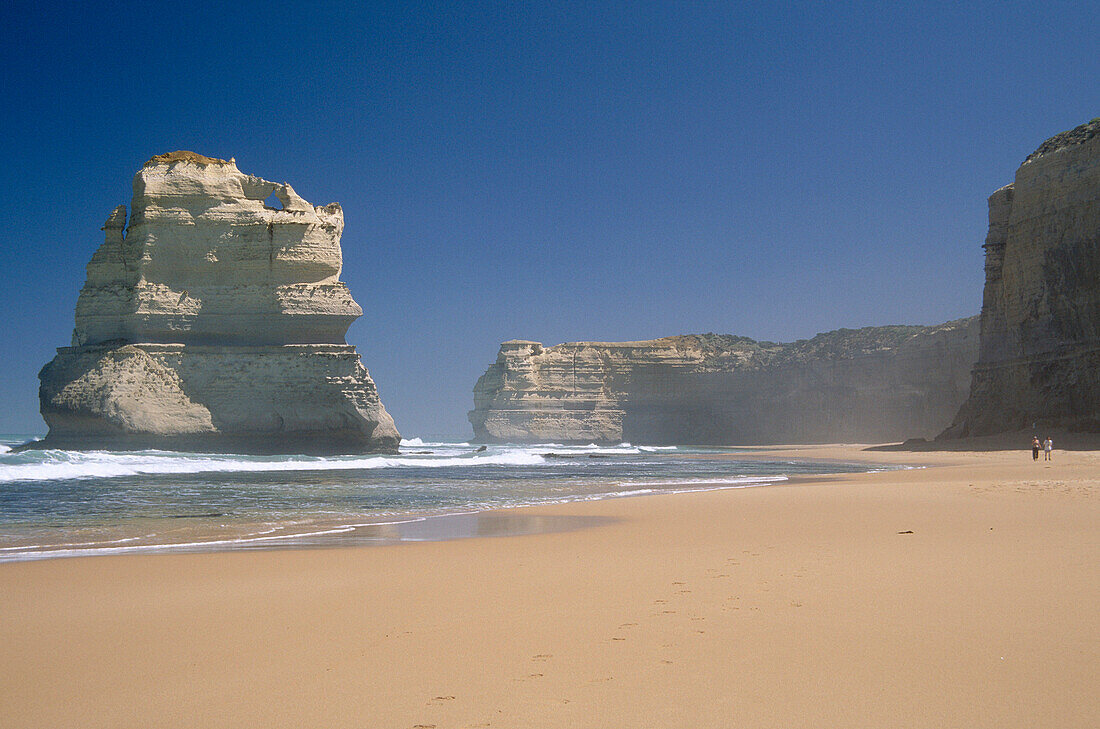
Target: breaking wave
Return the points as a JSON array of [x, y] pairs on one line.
[[50, 465], [69, 503], [56, 465]]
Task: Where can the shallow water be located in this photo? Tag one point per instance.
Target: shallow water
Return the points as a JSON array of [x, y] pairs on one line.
[[69, 503]]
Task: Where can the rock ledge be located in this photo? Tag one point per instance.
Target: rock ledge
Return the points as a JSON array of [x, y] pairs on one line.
[[851, 385]]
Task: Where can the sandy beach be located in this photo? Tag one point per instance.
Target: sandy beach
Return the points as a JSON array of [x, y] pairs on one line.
[[963, 594]]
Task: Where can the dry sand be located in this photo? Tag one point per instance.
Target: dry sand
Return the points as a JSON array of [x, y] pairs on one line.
[[961, 595]]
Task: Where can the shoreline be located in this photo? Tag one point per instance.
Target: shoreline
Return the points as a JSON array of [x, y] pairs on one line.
[[194, 533], [369, 530], [958, 595], [383, 530]]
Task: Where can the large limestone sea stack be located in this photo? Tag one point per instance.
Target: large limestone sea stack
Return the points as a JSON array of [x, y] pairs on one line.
[[211, 321], [1039, 360]]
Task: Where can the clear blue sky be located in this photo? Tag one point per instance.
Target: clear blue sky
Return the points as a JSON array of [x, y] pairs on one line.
[[552, 171]]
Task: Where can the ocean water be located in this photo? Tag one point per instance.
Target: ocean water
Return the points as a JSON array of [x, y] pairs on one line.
[[74, 503]]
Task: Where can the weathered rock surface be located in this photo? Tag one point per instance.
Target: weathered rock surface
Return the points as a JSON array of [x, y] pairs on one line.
[[866, 385], [1039, 361], [212, 321]]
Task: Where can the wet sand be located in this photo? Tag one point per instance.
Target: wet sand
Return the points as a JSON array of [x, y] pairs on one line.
[[964, 594]]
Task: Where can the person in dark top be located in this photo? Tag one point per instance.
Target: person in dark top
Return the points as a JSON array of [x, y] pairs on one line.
[[1036, 446]]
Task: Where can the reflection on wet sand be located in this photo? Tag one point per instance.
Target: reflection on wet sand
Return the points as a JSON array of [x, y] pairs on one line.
[[436, 529]]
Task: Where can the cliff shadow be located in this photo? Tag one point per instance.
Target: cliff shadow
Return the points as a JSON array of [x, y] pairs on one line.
[[1012, 441]]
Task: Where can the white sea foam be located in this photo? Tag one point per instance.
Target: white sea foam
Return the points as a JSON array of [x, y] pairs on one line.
[[671, 486], [81, 549], [288, 534], [515, 476], [725, 481], [84, 549], [34, 547], [54, 465], [632, 492], [620, 450], [421, 443]]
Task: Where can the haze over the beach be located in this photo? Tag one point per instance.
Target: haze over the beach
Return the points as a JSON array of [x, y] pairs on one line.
[[552, 171]]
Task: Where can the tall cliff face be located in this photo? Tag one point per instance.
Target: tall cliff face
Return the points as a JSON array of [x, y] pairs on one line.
[[1039, 361], [213, 321], [870, 385]]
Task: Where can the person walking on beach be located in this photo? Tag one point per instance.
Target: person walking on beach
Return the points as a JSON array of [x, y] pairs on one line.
[[1035, 447], [1048, 446]]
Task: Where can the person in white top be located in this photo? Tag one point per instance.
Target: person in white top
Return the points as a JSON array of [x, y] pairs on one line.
[[1048, 446]]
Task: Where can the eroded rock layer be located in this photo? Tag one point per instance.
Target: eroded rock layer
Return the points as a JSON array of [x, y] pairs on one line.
[[1039, 362], [866, 385], [212, 320]]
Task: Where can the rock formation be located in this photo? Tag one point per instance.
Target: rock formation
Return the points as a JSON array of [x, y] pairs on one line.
[[865, 385], [1039, 361], [212, 321]]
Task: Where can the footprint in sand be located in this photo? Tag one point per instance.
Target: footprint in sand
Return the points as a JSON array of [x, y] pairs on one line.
[[628, 625], [668, 612], [659, 602], [679, 583], [698, 618], [542, 657], [617, 638]]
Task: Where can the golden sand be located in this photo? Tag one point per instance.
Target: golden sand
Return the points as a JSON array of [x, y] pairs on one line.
[[965, 594]]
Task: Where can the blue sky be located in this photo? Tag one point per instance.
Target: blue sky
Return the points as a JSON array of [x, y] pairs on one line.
[[552, 171]]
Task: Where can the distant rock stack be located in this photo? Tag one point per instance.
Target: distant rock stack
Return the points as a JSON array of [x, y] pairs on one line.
[[874, 385], [214, 322], [1039, 360]]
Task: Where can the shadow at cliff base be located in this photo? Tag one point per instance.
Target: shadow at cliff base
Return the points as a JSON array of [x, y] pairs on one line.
[[1019, 440]]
